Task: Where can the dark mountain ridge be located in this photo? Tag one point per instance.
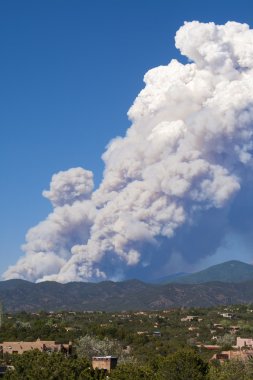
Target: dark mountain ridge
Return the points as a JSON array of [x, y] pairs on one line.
[[116, 296], [226, 283]]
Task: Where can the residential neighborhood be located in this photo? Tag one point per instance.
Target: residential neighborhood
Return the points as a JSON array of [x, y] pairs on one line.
[[110, 342]]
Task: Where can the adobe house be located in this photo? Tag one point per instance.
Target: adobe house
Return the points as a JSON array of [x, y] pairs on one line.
[[106, 363], [233, 355], [244, 342], [41, 345]]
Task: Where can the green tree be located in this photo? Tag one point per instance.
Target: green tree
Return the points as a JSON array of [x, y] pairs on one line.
[[226, 341], [249, 369], [230, 370], [132, 371], [183, 365], [40, 366], [88, 346]]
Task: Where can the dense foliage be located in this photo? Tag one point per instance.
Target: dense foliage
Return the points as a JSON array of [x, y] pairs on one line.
[[35, 365], [157, 345]]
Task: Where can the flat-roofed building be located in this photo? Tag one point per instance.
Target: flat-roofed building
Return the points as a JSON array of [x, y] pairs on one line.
[[41, 345], [244, 342], [106, 363], [233, 355]]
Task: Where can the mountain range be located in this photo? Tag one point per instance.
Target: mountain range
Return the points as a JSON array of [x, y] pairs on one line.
[[230, 271], [17, 295]]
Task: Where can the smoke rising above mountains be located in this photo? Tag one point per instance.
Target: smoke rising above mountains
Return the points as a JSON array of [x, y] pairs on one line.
[[173, 186]]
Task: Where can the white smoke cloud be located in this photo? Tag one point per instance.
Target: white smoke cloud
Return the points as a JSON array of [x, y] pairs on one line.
[[69, 186], [48, 245], [186, 157]]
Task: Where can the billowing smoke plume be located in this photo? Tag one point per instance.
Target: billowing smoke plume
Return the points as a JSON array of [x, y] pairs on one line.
[[172, 185], [70, 186]]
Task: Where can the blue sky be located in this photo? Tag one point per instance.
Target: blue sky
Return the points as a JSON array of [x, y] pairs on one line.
[[70, 70]]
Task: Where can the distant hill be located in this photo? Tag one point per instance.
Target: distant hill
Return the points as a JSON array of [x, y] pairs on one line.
[[170, 278], [230, 271], [17, 295]]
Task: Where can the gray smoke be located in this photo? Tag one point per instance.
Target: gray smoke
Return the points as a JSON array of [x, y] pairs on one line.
[[70, 186], [173, 186]]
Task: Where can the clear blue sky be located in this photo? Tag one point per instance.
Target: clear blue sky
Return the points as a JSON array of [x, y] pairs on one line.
[[69, 72]]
